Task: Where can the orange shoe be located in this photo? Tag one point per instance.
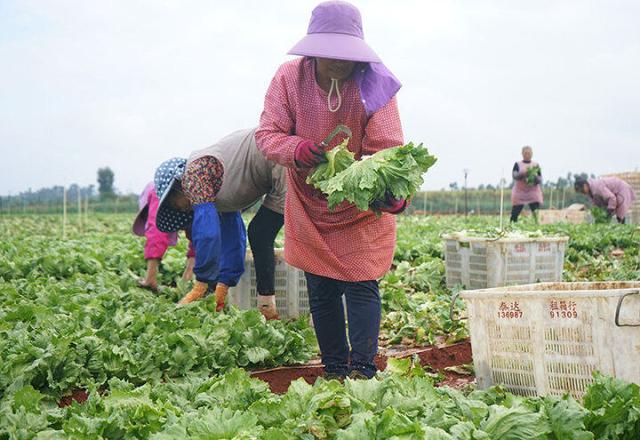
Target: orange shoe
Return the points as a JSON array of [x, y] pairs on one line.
[[197, 292], [221, 295]]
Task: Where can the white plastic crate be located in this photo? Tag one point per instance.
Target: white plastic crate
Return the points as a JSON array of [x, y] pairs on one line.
[[478, 263], [549, 338], [292, 299], [574, 214]]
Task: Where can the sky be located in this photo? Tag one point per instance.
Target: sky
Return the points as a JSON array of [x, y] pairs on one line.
[[130, 83]]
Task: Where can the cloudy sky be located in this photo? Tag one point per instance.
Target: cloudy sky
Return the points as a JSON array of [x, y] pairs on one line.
[[129, 83]]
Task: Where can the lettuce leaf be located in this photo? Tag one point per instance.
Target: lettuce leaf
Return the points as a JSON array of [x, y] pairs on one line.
[[615, 409], [394, 171], [337, 160], [515, 423]]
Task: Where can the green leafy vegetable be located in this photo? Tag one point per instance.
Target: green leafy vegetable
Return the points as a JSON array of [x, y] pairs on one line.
[[600, 215], [71, 316], [396, 171], [337, 159], [614, 409], [532, 174]]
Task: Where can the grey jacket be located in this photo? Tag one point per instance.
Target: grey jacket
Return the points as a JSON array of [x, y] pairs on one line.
[[248, 175]]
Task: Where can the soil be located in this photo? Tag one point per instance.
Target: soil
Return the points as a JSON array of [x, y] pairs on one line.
[[79, 396], [458, 381], [436, 357], [280, 378]]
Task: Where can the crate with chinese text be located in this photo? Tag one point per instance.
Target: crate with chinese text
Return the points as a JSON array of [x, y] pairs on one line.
[[549, 338]]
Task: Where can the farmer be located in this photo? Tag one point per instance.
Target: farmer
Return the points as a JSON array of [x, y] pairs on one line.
[[611, 193], [157, 242], [208, 193], [338, 80], [525, 191]]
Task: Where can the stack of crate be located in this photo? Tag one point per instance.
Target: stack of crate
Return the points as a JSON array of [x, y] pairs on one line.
[[633, 179]]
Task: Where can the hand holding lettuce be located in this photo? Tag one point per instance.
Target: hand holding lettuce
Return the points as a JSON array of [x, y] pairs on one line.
[[532, 175], [395, 171]]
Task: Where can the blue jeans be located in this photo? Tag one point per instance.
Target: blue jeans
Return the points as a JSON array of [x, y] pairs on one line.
[[363, 314]]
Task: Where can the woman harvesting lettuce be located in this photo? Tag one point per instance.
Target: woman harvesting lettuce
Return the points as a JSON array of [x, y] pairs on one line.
[[338, 80], [526, 187]]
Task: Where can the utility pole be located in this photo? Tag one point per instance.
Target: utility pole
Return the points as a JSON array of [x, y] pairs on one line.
[[79, 195], [502, 182], [64, 212], [466, 203], [425, 202]]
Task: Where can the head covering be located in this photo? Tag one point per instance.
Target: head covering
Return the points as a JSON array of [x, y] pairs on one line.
[[579, 183], [335, 32], [138, 227], [167, 176]]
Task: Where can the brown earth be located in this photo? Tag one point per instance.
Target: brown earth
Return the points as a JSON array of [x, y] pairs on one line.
[[436, 357], [79, 396]]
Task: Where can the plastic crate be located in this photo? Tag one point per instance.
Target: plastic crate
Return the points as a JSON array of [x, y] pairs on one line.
[[292, 299], [574, 216], [549, 338], [478, 263]]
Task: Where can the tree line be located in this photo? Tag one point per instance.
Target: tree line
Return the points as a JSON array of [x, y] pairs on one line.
[[104, 191]]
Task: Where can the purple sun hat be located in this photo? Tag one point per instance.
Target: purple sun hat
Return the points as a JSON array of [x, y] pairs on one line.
[[335, 32]]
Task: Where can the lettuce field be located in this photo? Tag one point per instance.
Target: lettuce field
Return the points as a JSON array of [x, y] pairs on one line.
[[72, 317]]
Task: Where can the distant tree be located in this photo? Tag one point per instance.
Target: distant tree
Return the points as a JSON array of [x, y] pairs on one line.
[[562, 183], [105, 183], [481, 186], [453, 186]]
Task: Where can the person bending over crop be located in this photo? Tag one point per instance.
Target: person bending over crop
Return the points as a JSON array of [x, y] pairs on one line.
[[208, 192], [338, 80], [611, 193], [526, 188], [157, 242]]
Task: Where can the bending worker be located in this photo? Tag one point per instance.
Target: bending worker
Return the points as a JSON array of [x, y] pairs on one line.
[[208, 192], [611, 193], [157, 242]]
